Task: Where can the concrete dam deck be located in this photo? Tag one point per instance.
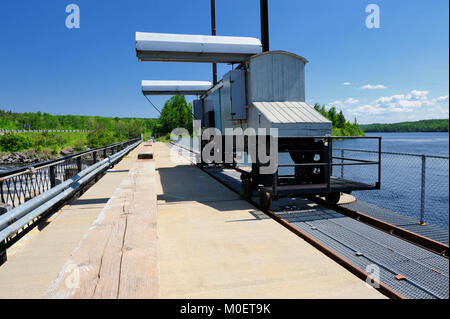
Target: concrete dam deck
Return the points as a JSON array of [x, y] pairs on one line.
[[163, 228]]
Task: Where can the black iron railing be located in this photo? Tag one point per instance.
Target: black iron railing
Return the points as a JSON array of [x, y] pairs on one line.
[[21, 184]]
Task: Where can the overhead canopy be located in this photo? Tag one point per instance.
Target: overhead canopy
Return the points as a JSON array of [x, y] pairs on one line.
[[195, 48], [175, 87]]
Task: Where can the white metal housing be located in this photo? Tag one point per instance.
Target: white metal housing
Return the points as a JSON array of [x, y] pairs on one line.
[[150, 87], [292, 119], [195, 48], [276, 76]]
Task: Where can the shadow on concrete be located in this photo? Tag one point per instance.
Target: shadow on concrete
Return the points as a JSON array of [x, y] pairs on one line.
[[92, 201], [117, 171], [185, 183]]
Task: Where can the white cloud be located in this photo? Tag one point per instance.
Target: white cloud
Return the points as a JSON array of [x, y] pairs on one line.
[[442, 98], [341, 104], [415, 105], [373, 87], [351, 100], [346, 83], [413, 99]]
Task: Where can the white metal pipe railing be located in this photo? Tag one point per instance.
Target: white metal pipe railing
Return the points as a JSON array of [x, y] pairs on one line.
[[18, 217]]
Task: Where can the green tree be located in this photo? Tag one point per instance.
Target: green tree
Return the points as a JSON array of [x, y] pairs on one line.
[[176, 113], [340, 122]]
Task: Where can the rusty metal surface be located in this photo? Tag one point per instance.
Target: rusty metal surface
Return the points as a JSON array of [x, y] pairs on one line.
[[408, 223]]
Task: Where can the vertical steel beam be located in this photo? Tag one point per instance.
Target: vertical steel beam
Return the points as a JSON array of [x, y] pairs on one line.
[[3, 256], [379, 164], [330, 162], [342, 162], [213, 32], [422, 191], [264, 12], [79, 166], [52, 172]]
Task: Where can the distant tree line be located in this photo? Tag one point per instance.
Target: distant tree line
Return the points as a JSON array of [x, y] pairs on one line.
[[43, 121], [341, 127], [102, 130], [418, 126]]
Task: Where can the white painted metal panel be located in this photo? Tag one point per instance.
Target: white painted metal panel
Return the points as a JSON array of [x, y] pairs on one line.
[[150, 87], [276, 76], [292, 119], [238, 95], [195, 48], [290, 112], [198, 109]]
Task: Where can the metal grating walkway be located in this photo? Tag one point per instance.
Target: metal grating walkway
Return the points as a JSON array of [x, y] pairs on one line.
[[408, 223], [427, 274]]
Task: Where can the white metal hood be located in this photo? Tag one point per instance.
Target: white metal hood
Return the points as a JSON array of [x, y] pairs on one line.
[[150, 87], [290, 112], [290, 118], [195, 48]]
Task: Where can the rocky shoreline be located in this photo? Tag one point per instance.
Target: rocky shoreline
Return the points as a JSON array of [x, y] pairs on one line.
[[25, 158]]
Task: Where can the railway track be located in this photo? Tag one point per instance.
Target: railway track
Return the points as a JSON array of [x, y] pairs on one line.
[[407, 264]]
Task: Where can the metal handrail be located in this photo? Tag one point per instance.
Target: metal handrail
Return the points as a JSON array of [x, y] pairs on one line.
[[20, 185], [393, 153], [16, 219], [329, 163]]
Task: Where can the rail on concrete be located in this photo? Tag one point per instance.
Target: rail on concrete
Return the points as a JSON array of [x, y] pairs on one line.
[[49, 184], [405, 269]]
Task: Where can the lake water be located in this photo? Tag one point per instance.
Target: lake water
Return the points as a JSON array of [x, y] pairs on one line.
[[428, 143], [402, 175]]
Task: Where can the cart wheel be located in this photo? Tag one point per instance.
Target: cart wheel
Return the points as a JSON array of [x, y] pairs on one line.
[[333, 198], [265, 200]]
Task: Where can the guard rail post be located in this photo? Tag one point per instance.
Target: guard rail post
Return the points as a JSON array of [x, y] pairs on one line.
[[3, 256], [52, 173], [422, 191], [79, 166]]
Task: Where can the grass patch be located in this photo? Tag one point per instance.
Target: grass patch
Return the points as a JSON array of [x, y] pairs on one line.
[[48, 141]]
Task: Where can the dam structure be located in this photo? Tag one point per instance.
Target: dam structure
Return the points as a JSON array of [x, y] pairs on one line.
[[146, 219]]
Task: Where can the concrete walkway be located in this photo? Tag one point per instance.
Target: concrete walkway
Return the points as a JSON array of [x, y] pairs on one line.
[[213, 245], [203, 243]]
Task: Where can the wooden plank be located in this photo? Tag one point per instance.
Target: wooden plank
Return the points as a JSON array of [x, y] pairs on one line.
[[118, 256], [140, 272]]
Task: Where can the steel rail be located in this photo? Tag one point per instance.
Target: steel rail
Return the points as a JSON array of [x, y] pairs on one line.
[[416, 239], [23, 209], [24, 169], [17, 218], [391, 153], [379, 262], [363, 275]]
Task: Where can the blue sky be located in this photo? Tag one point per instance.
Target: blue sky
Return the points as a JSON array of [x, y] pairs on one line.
[[397, 72]]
